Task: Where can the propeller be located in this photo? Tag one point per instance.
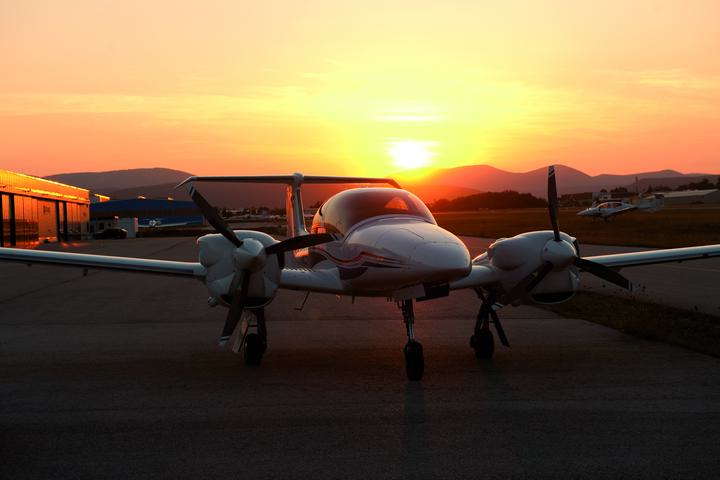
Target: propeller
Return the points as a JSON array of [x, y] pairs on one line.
[[553, 203], [525, 285], [560, 254], [213, 216], [237, 305], [603, 272], [297, 243], [249, 257]]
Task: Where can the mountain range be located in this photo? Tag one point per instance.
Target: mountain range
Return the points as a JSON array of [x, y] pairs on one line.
[[441, 183]]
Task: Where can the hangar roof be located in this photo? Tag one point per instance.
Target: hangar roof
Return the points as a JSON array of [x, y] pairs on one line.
[[688, 193], [21, 184]]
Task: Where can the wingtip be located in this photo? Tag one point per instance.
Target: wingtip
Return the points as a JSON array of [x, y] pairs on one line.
[[186, 181]]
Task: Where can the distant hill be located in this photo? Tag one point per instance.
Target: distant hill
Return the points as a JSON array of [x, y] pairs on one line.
[[233, 195], [273, 196], [485, 178], [102, 182], [446, 183]]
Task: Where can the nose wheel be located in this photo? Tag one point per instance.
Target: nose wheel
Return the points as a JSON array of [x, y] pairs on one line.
[[255, 343], [414, 358], [414, 361], [484, 344]]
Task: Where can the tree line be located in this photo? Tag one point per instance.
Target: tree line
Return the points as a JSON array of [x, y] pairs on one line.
[[704, 184], [488, 200]]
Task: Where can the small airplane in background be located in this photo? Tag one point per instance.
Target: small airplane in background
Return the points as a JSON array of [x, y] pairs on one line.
[[607, 210], [373, 242]]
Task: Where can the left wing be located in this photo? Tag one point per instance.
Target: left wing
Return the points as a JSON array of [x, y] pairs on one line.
[[650, 257], [83, 260]]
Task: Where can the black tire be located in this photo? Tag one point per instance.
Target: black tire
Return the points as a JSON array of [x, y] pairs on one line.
[[254, 349], [483, 343], [414, 361]]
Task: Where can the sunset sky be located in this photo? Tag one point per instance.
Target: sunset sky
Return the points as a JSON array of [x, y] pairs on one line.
[[371, 87]]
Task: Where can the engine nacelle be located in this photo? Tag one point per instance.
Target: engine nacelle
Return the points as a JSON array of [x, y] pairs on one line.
[[220, 259], [556, 287], [517, 257]]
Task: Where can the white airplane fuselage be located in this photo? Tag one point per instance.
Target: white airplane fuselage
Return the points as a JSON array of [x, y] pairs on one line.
[[387, 253], [607, 209]]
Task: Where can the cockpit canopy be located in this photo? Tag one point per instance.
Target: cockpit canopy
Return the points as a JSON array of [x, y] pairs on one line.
[[350, 207]]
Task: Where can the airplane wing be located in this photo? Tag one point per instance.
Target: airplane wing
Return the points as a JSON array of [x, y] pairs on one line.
[[650, 257], [621, 210], [480, 276], [83, 260]]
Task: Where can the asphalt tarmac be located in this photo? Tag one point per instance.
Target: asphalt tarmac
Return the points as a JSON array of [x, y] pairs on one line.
[[116, 375]]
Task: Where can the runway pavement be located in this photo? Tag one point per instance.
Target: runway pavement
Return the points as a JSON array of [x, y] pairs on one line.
[[117, 375], [690, 285]]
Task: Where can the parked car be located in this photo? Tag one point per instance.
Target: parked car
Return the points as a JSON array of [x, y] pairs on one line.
[[112, 232]]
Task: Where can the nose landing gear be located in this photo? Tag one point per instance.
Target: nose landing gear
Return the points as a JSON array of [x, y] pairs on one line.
[[414, 359], [254, 343]]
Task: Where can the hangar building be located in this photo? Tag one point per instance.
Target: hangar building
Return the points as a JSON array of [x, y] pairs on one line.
[[34, 210], [687, 197]]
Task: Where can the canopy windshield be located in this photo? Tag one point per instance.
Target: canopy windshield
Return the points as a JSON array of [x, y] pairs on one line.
[[350, 207]]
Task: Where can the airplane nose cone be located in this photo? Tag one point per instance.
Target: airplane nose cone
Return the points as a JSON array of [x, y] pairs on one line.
[[445, 260]]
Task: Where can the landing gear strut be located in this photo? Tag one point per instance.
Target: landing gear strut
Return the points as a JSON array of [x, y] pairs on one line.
[[255, 343], [414, 360], [482, 340]]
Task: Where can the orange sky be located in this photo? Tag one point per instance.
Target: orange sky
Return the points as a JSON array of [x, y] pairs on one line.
[[371, 87]]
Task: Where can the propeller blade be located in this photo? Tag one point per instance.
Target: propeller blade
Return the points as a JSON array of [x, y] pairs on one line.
[[527, 284], [553, 202], [236, 307], [296, 243], [499, 328], [213, 216], [603, 272]]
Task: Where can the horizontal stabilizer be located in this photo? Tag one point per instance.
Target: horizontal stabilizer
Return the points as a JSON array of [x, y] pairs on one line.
[[290, 179]]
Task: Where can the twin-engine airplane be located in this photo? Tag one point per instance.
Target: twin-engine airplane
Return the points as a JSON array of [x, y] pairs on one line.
[[374, 242], [607, 210]]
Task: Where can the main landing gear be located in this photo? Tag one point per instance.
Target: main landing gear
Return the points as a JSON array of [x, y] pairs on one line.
[[414, 360], [254, 343], [482, 340]]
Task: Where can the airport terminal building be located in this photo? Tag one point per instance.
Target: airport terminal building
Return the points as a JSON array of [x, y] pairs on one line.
[[34, 210]]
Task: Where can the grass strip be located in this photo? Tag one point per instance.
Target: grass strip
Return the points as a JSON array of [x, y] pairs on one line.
[[693, 330], [668, 228]]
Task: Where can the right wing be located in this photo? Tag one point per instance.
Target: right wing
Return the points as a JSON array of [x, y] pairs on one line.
[[650, 257], [83, 260]]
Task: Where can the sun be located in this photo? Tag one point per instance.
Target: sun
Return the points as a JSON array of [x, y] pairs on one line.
[[408, 154]]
